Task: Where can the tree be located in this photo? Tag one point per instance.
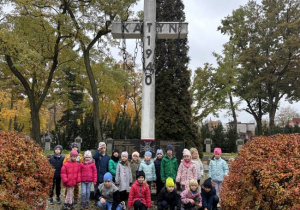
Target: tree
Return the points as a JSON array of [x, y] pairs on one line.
[[206, 95], [89, 30], [267, 38], [31, 40], [173, 100], [285, 115]]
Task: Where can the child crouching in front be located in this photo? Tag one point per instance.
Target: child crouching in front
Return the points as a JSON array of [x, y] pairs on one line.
[[168, 197], [139, 195], [70, 175], [109, 194], [191, 196]]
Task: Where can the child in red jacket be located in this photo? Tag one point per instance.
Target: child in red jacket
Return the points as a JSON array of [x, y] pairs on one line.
[[139, 195], [70, 175], [88, 176]]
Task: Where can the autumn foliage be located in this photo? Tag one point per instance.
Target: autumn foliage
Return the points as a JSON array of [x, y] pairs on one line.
[[25, 173], [265, 175]]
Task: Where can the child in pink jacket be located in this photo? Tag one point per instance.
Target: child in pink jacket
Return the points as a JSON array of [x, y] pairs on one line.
[[187, 169], [191, 196], [88, 176], [70, 175]]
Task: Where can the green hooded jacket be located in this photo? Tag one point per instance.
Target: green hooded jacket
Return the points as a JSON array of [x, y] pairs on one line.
[[168, 167]]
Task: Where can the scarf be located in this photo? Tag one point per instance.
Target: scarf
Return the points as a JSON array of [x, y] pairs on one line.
[[187, 164], [115, 159], [148, 162], [194, 191], [88, 161]]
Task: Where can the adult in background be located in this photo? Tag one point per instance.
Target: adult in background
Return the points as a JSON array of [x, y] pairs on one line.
[[101, 160]]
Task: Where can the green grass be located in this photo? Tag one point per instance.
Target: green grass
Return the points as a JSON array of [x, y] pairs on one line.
[[223, 154], [64, 152]]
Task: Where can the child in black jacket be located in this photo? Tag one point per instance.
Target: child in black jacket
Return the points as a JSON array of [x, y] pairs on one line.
[[56, 161], [168, 197], [157, 162], [209, 196]]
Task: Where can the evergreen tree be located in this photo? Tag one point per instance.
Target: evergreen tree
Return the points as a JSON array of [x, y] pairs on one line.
[[173, 100]]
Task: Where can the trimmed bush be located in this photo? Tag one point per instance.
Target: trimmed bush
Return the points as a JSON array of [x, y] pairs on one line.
[[25, 173], [265, 175]]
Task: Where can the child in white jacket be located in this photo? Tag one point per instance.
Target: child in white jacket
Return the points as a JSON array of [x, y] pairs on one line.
[[196, 159]]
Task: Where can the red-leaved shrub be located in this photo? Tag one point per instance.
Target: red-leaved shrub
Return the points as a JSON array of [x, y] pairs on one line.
[[25, 173], [265, 175]]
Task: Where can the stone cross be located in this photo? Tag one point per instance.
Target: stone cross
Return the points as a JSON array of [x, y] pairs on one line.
[[150, 29]]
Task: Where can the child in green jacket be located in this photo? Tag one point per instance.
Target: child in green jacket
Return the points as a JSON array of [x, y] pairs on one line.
[[169, 165]]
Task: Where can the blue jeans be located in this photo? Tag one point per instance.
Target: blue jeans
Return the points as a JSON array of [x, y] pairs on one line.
[[85, 191], [108, 205]]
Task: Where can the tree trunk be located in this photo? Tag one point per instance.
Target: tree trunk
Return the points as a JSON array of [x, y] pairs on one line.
[[96, 115], [257, 116], [272, 113], [35, 122], [233, 112], [11, 107]]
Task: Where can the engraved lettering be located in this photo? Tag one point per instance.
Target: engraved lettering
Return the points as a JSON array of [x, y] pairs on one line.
[[149, 27], [173, 26], [137, 27]]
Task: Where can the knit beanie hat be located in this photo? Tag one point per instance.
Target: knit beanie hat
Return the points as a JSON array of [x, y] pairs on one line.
[[115, 150], [74, 144], [159, 151], [136, 153], [207, 183], [74, 153], [87, 154], [169, 147], [107, 177], [58, 147], [148, 153], [102, 144], [125, 153], [186, 152], [170, 182], [140, 173], [218, 151]]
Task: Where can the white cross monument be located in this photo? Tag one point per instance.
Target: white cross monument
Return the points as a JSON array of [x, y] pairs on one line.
[[150, 29]]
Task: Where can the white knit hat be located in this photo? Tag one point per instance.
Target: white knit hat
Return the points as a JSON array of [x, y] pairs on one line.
[[87, 154], [125, 153], [186, 152]]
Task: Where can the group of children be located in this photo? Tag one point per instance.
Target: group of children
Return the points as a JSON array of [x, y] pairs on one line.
[[114, 177]]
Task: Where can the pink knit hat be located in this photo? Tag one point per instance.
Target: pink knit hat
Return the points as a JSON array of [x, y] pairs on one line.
[[74, 153], [186, 152], [218, 151]]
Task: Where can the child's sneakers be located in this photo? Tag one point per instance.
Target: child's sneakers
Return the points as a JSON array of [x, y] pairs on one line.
[[58, 200], [123, 205], [51, 201]]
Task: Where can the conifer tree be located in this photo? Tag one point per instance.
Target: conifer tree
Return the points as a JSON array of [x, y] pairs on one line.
[[173, 100]]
